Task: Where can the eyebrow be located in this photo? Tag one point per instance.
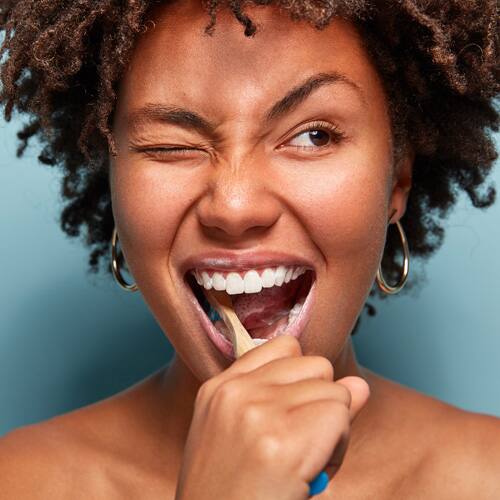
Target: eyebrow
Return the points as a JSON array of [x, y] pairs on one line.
[[190, 120], [301, 92], [154, 113]]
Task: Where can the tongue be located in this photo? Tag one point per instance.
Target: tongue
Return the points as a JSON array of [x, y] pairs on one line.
[[256, 310]]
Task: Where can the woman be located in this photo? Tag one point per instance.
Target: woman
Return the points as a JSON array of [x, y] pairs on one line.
[[267, 162]]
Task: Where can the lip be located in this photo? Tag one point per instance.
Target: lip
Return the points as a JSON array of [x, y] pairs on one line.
[[231, 261], [224, 346]]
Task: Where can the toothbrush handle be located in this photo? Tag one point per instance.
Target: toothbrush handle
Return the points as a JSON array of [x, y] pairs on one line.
[[318, 484]]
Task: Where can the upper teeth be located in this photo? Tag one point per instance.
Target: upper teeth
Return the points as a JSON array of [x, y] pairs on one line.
[[252, 281]]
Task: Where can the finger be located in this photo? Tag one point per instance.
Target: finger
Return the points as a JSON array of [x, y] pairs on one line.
[[279, 347], [292, 369], [324, 426], [307, 391], [360, 392]]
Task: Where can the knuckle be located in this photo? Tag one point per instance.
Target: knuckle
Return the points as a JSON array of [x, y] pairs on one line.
[[204, 392], [228, 393], [268, 448], [252, 415], [289, 344], [324, 366]]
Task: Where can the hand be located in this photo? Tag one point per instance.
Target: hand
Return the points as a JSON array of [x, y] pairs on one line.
[[267, 425]]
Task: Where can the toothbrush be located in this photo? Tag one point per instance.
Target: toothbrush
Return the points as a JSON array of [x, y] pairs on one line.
[[242, 343], [221, 301]]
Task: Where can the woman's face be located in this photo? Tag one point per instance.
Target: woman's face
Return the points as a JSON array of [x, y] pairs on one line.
[[264, 172]]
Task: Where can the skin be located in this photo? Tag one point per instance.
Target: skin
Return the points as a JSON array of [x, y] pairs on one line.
[[251, 190]]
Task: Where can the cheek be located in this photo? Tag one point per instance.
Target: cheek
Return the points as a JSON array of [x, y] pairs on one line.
[[149, 203], [344, 207], [341, 204]]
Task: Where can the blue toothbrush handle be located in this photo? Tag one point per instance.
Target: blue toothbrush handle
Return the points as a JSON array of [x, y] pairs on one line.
[[318, 484]]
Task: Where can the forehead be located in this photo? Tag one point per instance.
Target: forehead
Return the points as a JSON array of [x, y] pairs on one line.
[[175, 61]]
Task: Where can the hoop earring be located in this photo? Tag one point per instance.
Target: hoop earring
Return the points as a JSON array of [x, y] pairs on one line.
[[383, 285], [115, 267]]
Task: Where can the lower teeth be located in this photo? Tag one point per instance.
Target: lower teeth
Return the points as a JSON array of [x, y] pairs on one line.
[[294, 312]]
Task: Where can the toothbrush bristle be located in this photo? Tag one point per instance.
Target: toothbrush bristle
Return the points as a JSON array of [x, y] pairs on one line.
[[213, 314]]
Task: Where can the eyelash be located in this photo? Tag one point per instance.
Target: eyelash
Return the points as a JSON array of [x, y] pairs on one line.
[[165, 151], [336, 136]]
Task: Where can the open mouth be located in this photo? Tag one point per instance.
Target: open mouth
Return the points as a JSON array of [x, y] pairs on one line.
[[268, 302]]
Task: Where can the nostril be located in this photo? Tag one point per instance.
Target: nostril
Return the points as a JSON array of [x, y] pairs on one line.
[[241, 216], [234, 235]]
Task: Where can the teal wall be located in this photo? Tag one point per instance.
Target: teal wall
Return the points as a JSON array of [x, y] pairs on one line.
[[68, 339]]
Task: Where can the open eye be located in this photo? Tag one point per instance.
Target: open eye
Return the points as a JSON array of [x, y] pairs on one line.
[[316, 136]]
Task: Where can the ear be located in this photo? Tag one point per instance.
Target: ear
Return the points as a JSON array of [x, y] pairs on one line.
[[401, 185]]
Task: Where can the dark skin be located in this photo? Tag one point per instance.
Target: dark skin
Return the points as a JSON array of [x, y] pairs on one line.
[[332, 205]]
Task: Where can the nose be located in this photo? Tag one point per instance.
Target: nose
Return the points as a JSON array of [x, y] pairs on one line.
[[239, 204]]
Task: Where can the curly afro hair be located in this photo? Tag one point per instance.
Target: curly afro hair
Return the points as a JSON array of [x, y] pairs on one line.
[[439, 62]]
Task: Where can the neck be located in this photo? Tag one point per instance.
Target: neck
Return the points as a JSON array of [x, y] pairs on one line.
[[179, 388]]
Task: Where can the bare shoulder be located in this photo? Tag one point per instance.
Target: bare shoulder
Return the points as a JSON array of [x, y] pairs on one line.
[[468, 456], [30, 462], [92, 452], [452, 453]]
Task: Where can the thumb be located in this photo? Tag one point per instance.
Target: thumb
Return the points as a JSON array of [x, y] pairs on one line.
[[360, 392]]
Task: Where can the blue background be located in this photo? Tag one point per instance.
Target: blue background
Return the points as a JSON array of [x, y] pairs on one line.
[[68, 338]]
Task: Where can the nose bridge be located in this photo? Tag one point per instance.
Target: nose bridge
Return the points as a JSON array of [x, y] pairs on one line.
[[239, 200]]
